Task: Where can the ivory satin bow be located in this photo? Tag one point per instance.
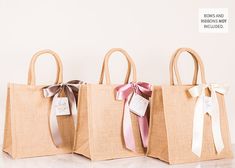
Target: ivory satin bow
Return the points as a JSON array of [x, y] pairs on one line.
[[124, 92], [201, 108], [70, 89]]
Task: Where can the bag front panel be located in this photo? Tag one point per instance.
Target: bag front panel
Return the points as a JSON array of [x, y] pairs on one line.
[[179, 112], [105, 120], [30, 121]]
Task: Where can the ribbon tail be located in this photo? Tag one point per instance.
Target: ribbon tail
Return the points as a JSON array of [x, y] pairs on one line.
[[198, 121], [72, 104], [216, 130], [56, 137], [143, 125], [127, 127]]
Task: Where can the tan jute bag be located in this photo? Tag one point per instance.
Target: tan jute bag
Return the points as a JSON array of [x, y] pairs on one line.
[[27, 129], [172, 118], [99, 130]]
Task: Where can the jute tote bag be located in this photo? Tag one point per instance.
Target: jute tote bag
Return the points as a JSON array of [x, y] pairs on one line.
[[27, 126], [99, 133], [188, 123]]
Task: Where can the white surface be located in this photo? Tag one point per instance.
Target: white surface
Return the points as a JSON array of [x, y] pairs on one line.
[[77, 161], [83, 31]]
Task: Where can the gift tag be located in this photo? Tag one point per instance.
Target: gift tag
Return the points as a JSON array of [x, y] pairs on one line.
[[208, 104], [61, 106], [138, 104]]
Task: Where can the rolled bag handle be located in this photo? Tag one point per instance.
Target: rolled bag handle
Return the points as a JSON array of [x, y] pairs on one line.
[[105, 67], [197, 64], [31, 73]]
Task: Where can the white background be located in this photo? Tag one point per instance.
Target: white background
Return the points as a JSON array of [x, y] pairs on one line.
[[83, 31]]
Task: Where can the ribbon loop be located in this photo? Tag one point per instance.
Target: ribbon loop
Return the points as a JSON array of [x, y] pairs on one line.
[[125, 92], [70, 89], [210, 105]]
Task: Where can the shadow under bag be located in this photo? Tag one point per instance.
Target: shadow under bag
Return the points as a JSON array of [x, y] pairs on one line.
[[27, 127], [188, 123]]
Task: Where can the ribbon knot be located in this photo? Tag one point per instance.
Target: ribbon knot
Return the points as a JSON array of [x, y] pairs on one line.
[[141, 88], [70, 89], [125, 92], [210, 105]]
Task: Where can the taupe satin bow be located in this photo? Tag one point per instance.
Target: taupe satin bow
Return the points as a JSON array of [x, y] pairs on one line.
[[70, 89]]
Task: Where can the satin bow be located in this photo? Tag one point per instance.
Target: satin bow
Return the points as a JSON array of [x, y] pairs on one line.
[[201, 108], [124, 92], [70, 89]]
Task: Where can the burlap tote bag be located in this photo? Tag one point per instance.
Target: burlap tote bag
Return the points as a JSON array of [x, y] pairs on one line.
[[101, 118], [29, 131], [188, 123]]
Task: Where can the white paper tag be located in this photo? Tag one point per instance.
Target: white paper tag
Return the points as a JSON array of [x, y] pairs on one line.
[[138, 105], [61, 106], [208, 104]]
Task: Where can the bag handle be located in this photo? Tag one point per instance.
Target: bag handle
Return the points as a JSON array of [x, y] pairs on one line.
[[197, 64], [31, 73], [105, 67], [126, 78], [172, 62]]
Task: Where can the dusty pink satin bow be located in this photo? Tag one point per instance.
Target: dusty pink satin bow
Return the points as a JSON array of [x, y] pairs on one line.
[[70, 89], [124, 92]]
